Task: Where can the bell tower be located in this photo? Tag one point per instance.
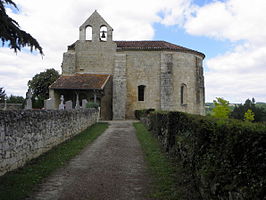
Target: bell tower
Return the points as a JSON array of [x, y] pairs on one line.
[[101, 31]]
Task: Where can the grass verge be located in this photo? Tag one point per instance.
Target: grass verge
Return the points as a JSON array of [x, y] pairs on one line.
[[170, 180], [19, 184], [161, 168]]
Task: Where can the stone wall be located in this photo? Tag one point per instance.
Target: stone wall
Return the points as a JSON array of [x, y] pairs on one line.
[[143, 68], [96, 57], [119, 87], [27, 134], [11, 106], [166, 80], [163, 73]]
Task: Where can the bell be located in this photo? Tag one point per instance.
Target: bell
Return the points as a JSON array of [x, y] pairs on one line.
[[103, 34]]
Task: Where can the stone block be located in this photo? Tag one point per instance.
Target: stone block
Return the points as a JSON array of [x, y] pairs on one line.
[[49, 104], [84, 103], [28, 104], [69, 105]]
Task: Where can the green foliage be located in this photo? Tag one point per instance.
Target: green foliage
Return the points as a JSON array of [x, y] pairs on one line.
[[249, 115], [40, 86], [15, 99], [261, 105], [227, 158], [221, 108], [20, 183], [144, 112], [240, 110], [92, 105], [160, 167], [2, 94], [11, 33]]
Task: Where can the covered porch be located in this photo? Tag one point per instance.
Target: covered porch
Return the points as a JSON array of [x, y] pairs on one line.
[[76, 88]]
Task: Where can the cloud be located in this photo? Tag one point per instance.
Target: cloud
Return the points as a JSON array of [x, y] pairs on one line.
[[239, 73], [235, 75], [55, 25]]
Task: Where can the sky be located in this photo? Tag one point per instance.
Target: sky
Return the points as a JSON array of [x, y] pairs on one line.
[[231, 33]]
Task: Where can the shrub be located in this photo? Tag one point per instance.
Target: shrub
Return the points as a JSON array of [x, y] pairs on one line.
[[226, 157], [144, 112], [92, 105]]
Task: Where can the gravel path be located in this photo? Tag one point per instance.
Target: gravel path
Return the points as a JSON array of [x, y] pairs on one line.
[[112, 168]]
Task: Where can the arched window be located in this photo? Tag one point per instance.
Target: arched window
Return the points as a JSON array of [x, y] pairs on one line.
[[141, 92], [103, 33], [183, 94], [88, 33]]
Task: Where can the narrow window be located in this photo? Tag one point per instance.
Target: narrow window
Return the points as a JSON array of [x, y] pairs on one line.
[[88, 33], [183, 94], [141, 89], [103, 33]]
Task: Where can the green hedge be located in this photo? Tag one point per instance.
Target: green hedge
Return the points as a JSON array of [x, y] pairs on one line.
[[144, 112], [226, 157]]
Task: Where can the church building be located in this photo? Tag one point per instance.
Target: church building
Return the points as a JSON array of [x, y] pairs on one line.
[[124, 76]]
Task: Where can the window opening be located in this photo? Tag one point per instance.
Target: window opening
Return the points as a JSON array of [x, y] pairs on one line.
[[88, 33], [183, 94], [141, 90]]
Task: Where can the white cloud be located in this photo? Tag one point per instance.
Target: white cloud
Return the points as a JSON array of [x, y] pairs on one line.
[[55, 25], [236, 75], [239, 73]]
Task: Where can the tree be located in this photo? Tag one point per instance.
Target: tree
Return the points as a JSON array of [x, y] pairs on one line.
[[221, 108], [2, 94], [15, 99], [40, 86], [240, 110], [10, 31], [249, 115]]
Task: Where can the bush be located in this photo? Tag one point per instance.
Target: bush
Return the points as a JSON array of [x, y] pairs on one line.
[[226, 157], [92, 105], [144, 112]]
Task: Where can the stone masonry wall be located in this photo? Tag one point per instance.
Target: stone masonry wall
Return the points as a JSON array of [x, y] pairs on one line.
[[119, 87], [95, 57], [163, 73], [69, 63], [25, 135], [167, 81], [11, 106], [143, 68]]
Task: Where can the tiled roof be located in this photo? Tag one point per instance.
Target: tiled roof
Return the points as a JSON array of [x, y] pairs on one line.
[[149, 45], [81, 81], [153, 45]]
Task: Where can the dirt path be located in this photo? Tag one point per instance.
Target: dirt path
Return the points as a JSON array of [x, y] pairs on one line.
[[112, 168]]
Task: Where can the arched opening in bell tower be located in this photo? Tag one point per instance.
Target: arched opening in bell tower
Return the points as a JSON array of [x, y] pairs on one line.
[[103, 33], [88, 33]]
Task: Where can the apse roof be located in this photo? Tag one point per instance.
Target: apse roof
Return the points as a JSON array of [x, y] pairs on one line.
[[153, 45]]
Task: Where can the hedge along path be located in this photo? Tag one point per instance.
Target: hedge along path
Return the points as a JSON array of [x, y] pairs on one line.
[[19, 183], [112, 168], [170, 180]]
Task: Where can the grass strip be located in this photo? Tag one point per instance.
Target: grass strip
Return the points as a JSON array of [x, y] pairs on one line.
[[162, 170], [18, 184]]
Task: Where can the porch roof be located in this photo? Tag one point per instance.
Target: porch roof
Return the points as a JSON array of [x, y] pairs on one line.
[[81, 82]]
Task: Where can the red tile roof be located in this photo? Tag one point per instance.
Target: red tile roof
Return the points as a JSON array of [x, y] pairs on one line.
[[81, 81], [153, 45], [149, 45]]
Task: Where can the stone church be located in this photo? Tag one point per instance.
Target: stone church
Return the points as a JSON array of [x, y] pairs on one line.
[[124, 76]]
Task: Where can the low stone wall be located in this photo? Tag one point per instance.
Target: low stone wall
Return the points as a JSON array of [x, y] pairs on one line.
[[11, 106], [27, 134]]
